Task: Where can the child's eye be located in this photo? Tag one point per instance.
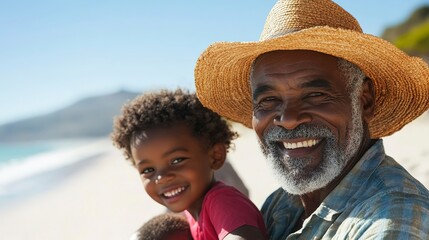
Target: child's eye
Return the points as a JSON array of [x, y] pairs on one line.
[[178, 160], [147, 171]]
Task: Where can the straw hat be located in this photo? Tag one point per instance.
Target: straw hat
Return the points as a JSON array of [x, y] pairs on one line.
[[401, 82]]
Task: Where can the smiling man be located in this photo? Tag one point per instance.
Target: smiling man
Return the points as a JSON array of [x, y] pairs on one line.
[[320, 94], [307, 118]]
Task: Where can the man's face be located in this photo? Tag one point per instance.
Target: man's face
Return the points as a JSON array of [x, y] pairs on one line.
[[306, 121]]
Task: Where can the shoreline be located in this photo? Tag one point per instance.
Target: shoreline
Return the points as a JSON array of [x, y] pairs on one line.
[[43, 182], [38, 172]]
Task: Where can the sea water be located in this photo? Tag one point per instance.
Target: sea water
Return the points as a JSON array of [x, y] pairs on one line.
[[27, 168], [16, 152]]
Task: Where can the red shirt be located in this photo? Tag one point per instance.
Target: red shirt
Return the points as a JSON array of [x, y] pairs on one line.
[[224, 209]]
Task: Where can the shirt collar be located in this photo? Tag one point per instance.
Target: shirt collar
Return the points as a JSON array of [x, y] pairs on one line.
[[347, 191]]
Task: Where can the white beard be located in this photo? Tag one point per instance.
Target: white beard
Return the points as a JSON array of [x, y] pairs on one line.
[[294, 174]]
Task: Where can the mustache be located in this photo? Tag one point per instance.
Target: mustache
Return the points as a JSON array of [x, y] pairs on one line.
[[276, 133]]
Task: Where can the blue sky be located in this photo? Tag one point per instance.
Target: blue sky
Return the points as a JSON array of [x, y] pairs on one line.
[[55, 52]]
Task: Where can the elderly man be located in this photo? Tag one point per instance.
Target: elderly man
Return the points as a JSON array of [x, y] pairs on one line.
[[320, 94]]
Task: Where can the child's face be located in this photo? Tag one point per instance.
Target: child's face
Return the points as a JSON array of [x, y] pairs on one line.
[[176, 168]]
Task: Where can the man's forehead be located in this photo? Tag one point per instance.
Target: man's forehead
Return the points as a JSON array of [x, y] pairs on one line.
[[316, 83], [304, 73], [294, 63]]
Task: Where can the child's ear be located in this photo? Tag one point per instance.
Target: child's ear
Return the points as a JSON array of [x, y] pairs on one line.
[[218, 155]]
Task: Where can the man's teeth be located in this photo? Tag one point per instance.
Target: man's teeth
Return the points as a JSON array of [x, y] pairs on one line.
[[308, 143], [174, 192]]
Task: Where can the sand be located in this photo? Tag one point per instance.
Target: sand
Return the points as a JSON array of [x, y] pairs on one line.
[[104, 199]]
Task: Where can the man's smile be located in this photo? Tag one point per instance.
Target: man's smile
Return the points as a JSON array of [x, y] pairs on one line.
[[301, 144]]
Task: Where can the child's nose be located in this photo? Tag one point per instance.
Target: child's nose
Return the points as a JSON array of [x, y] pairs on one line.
[[158, 179], [163, 178]]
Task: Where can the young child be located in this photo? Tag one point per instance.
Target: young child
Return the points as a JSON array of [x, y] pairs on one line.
[[176, 144], [166, 226]]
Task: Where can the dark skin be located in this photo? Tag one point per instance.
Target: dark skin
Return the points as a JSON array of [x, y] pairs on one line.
[[290, 88]]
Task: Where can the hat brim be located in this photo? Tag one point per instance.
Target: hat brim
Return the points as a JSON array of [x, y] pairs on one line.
[[401, 82]]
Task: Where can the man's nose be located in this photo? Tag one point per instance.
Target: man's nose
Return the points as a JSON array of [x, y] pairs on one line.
[[291, 115]]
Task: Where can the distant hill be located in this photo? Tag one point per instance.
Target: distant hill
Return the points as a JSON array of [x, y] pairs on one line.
[[412, 35], [90, 117]]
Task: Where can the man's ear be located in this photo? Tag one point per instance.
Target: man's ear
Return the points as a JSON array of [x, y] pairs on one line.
[[218, 155], [368, 100]]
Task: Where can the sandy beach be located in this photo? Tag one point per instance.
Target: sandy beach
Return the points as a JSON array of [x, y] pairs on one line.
[[104, 199]]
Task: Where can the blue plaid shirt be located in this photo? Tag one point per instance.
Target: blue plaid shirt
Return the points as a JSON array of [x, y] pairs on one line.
[[377, 199]]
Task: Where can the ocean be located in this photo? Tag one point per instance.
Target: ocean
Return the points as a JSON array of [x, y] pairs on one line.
[[28, 168]]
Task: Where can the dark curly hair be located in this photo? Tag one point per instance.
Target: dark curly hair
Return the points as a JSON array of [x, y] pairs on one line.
[[163, 226], [164, 108]]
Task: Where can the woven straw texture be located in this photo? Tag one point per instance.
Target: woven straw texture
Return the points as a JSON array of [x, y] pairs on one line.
[[401, 82]]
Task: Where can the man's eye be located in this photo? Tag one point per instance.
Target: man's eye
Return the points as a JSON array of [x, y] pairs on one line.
[[266, 103], [315, 94], [268, 99]]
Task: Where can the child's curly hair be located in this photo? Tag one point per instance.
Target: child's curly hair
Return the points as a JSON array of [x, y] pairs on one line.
[[164, 108], [163, 226]]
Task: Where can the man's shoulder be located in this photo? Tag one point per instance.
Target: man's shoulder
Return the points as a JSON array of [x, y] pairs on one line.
[[390, 196], [390, 186], [388, 215], [391, 177], [392, 200]]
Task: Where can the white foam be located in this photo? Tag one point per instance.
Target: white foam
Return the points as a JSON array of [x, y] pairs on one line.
[[49, 161]]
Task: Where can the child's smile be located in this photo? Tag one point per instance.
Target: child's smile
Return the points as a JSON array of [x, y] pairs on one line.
[[174, 192], [172, 195]]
